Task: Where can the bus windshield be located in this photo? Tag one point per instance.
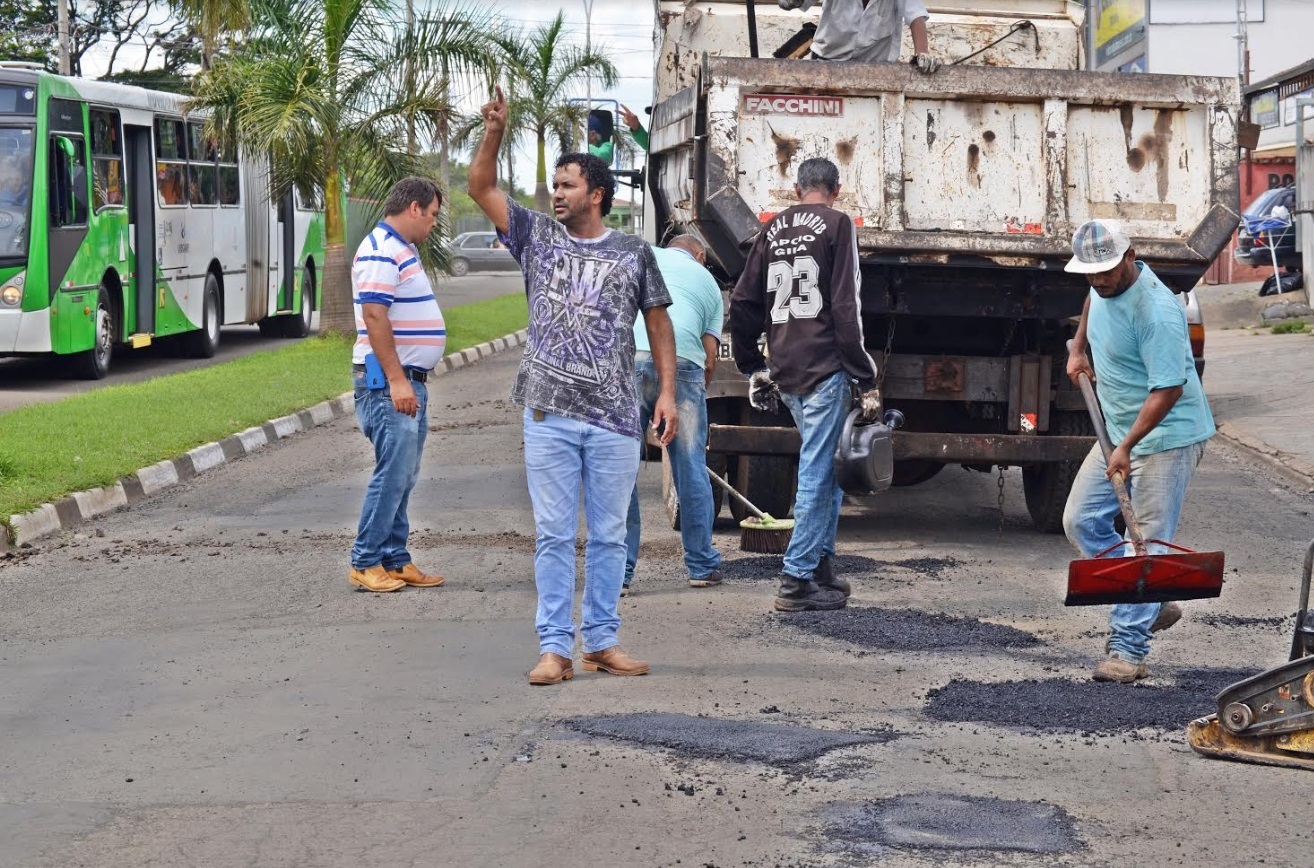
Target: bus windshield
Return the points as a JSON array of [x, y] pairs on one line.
[[16, 145]]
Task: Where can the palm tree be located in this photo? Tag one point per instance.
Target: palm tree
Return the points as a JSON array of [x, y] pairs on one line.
[[320, 87], [213, 19], [545, 70]]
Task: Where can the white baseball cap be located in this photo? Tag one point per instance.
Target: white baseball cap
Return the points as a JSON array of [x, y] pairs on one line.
[[1097, 246]]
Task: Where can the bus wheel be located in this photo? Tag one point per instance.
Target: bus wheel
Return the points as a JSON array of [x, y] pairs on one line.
[[297, 325], [202, 343], [94, 364]]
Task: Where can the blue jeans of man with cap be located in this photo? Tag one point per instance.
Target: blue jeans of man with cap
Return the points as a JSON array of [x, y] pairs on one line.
[[687, 454], [1157, 487]]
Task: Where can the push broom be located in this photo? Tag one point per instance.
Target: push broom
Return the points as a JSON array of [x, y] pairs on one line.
[[760, 533], [1181, 574]]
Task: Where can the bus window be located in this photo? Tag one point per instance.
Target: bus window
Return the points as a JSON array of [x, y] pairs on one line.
[[230, 186], [16, 144], [171, 162], [304, 202], [68, 180], [106, 159], [202, 185]]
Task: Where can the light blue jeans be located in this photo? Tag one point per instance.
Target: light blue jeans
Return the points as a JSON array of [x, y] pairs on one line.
[[561, 455], [819, 417], [1158, 491], [688, 457], [398, 446]]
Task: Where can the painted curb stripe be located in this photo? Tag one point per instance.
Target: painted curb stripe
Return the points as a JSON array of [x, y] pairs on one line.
[[82, 506]]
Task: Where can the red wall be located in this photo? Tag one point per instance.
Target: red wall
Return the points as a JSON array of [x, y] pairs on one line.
[[1257, 176]]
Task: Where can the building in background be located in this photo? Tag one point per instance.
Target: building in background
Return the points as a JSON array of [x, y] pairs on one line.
[[1203, 37]]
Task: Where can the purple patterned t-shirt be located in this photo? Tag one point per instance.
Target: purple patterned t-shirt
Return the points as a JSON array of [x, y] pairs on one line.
[[584, 296]]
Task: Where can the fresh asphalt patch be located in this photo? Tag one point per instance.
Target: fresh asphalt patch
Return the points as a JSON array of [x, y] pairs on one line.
[[1087, 707], [734, 740], [908, 629], [934, 821], [766, 568], [1229, 621]]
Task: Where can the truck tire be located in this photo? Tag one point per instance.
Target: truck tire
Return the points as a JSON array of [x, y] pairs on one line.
[[1046, 486], [768, 481]]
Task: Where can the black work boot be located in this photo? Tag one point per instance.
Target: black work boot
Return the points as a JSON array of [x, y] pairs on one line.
[[825, 577], [802, 595]]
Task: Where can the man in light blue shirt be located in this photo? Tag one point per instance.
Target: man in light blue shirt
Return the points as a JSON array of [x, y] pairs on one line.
[[1156, 414], [696, 312]]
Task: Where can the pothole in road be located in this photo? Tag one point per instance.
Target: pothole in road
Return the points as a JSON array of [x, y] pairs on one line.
[[933, 821], [712, 738], [1088, 707], [766, 568], [908, 630]]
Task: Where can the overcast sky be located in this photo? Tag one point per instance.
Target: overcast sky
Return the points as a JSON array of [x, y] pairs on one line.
[[623, 28]]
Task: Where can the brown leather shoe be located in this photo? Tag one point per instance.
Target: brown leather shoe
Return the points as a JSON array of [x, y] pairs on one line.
[[411, 575], [615, 661], [375, 579], [551, 669]]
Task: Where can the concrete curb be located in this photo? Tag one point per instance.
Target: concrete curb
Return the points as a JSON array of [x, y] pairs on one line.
[[1291, 467], [83, 506]]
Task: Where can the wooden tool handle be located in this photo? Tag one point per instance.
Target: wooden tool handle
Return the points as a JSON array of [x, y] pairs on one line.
[[1106, 446], [730, 488]]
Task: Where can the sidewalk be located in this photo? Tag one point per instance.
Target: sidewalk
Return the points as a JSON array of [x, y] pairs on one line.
[[1259, 384]]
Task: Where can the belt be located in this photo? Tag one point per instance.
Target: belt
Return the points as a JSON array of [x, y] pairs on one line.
[[411, 373]]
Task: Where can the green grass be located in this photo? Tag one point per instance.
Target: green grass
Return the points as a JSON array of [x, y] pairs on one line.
[[1291, 327], [92, 439]]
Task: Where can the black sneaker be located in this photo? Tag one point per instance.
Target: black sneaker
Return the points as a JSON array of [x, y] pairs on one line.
[[825, 577], [801, 595]]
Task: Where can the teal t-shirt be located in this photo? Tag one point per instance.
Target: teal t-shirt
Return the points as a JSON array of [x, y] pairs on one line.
[[696, 307], [1139, 343]]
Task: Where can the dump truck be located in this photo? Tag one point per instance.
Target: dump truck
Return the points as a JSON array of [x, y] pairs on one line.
[[965, 187]]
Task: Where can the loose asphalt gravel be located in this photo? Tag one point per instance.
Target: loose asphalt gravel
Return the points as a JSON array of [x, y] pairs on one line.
[[1062, 705], [908, 629]]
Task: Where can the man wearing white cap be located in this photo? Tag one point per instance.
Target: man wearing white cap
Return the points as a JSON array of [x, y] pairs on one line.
[[1156, 414]]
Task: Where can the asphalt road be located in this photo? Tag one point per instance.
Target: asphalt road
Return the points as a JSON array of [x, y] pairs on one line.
[[31, 381], [193, 683]]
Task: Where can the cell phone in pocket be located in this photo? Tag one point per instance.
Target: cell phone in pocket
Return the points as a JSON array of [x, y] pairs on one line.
[[374, 378]]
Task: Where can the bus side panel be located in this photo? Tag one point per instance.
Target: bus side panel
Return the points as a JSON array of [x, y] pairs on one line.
[[230, 251], [310, 242]]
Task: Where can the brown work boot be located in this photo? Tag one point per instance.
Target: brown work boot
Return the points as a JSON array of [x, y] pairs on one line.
[[551, 669], [411, 575], [375, 579], [1114, 668], [615, 661]]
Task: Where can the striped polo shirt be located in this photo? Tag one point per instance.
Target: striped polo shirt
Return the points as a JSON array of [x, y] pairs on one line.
[[387, 271]]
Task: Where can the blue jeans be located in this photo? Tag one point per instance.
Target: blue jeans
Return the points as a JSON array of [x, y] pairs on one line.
[[688, 457], [819, 416], [398, 445], [560, 455], [1158, 490]]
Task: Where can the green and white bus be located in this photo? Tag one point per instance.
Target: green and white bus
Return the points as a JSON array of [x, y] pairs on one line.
[[122, 223]]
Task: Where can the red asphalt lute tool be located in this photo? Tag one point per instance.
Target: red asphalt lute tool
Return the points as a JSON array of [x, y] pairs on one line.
[[1181, 574]]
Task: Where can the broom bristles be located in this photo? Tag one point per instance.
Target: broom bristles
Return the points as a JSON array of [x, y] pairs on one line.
[[765, 538]]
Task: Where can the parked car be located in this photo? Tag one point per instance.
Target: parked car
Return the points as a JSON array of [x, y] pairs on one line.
[[1258, 250], [479, 251]]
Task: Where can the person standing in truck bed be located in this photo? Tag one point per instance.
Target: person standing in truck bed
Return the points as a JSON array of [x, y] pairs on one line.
[[801, 285], [869, 30]]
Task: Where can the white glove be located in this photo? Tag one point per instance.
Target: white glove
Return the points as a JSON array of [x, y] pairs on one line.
[[763, 393], [872, 405], [790, 4], [925, 64]]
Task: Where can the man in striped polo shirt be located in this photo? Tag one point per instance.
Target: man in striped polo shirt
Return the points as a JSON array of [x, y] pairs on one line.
[[400, 338]]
